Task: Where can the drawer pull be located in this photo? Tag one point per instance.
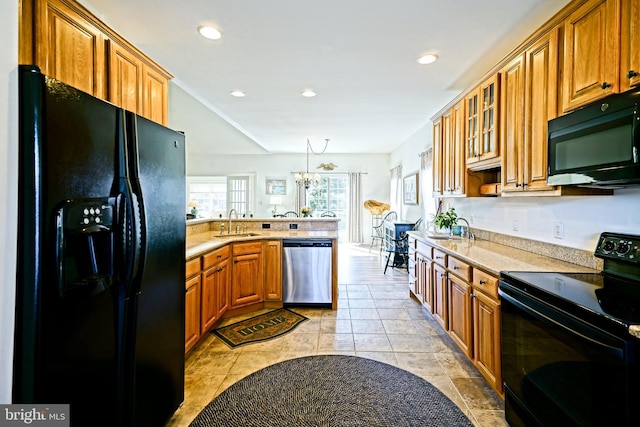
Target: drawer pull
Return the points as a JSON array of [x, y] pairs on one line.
[[482, 282], [455, 267], [438, 257]]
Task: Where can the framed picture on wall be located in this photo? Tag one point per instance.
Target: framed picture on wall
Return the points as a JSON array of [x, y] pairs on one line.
[[410, 189], [276, 186]]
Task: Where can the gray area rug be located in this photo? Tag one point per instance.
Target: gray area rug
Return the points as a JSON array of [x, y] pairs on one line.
[[331, 391]]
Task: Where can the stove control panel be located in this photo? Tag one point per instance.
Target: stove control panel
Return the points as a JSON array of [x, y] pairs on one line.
[[620, 247]]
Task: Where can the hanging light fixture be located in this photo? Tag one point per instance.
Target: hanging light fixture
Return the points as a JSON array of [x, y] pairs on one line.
[[305, 178]]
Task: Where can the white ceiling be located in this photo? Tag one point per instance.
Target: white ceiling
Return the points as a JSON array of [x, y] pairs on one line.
[[358, 55]]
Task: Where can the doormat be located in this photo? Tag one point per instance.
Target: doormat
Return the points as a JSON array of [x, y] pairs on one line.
[[259, 328]]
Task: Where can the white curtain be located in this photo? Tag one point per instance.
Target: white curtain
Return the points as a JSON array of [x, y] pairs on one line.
[[355, 207], [396, 190], [426, 184], [301, 197]]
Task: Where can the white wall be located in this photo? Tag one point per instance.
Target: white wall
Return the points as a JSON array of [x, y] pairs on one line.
[[407, 155], [583, 217], [8, 188]]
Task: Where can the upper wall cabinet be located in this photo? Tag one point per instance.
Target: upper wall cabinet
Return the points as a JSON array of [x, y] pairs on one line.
[[530, 99], [630, 63], [71, 45], [454, 170], [482, 136], [591, 53]]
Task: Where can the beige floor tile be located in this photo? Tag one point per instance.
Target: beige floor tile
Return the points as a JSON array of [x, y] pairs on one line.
[[487, 418], [366, 326], [403, 327], [380, 356], [408, 343], [398, 313], [336, 326], [371, 342], [301, 342], [362, 303], [336, 342], [477, 394], [364, 313]]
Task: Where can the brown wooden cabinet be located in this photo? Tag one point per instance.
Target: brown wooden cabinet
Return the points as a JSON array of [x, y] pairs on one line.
[[272, 270], [247, 279], [460, 323], [439, 299], [482, 136], [486, 327], [512, 124], [215, 285], [438, 160], [453, 143], [125, 77], [540, 106], [192, 304], [591, 53], [630, 46], [70, 44]]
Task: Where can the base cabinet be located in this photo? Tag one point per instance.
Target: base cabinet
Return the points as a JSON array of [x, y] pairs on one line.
[[246, 280], [464, 301], [272, 270], [215, 285], [460, 322], [192, 304]]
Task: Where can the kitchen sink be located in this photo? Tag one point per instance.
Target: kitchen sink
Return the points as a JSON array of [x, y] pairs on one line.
[[438, 236], [222, 236]]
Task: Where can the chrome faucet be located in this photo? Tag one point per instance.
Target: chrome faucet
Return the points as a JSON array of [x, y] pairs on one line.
[[230, 212], [469, 233]]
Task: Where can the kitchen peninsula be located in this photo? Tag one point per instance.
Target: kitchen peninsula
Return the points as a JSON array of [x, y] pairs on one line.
[[235, 266]]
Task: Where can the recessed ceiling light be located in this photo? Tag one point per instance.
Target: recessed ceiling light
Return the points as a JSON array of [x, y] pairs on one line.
[[308, 93], [237, 93], [428, 58], [209, 32]]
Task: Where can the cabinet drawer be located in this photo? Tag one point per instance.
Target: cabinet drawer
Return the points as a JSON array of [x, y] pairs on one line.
[[412, 242], [214, 257], [440, 257], [459, 268], [425, 249], [247, 248], [485, 282], [192, 268]]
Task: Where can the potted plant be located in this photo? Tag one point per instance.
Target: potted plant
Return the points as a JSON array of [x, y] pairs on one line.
[[446, 220], [306, 211]]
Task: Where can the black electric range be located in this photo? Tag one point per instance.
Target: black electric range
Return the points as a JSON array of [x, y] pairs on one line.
[[571, 341]]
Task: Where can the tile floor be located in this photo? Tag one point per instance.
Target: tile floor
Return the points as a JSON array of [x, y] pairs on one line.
[[375, 319]]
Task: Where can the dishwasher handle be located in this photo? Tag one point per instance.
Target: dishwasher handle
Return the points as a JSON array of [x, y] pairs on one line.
[[306, 243]]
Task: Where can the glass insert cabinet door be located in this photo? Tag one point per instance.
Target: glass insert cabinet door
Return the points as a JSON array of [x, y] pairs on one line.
[[482, 134]]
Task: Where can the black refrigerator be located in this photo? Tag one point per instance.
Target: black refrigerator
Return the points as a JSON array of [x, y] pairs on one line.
[[101, 244]]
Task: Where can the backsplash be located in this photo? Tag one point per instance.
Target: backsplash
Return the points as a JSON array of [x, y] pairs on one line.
[[564, 253]]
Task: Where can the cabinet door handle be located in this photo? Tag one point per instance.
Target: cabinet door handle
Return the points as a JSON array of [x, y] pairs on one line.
[[518, 185], [455, 267], [482, 282], [605, 85], [631, 74], [438, 257]]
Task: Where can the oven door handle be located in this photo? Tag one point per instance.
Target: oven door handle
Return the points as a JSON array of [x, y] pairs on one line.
[[560, 319]]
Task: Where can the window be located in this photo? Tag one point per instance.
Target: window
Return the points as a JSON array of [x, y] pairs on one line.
[[216, 195], [331, 195]]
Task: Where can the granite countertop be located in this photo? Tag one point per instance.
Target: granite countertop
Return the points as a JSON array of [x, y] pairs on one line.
[[494, 257], [201, 243]]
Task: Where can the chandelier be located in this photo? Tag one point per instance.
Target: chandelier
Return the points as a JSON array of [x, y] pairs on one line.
[[305, 178]]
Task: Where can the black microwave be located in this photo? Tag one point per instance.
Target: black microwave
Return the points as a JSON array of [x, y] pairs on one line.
[[597, 145]]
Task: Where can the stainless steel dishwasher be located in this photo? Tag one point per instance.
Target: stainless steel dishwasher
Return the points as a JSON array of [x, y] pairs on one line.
[[306, 272]]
